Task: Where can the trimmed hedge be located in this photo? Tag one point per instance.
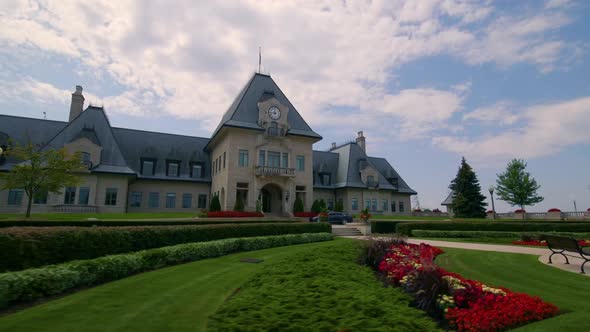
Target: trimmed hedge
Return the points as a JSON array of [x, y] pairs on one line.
[[27, 285], [384, 227], [26, 247], [112, 223], [407, 228], [489, 234]]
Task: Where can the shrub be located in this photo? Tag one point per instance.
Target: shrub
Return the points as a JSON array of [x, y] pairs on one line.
[[322, 204], [339, 206], [315, 207], [373, 251], [215, 205], [436, 210], [239, 206], [234, 214], [25, 247], [384, 227], [554, 210], [298, 205], [36, 283], [406, 228]]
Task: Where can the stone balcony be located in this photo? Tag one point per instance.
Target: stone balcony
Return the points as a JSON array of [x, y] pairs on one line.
[[274, 171]]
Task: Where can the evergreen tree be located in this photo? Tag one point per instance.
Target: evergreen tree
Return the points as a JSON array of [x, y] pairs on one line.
[[315, 207], [468, 202], [239, 206], [215, 205], [339, 206], [298, 205], [516, 186]]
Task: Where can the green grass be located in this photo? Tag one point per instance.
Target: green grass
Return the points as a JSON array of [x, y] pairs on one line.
[[178, 298], [319, 290], [101, 216], [524, 273]]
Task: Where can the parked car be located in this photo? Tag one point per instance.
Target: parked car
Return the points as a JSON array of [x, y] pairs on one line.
[[334, 218]]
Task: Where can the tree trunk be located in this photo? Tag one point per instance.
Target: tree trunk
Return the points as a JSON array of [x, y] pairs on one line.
[[29, 206]]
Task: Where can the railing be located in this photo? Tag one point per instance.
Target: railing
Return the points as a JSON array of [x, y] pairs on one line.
[[274, 171], [74, 208], [543, 215], [579, 214]]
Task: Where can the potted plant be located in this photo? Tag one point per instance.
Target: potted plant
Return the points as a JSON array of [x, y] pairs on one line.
[[365, 216]]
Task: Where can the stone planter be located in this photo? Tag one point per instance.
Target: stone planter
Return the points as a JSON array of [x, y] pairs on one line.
[[520, 215], [365, 229], [553, 216]]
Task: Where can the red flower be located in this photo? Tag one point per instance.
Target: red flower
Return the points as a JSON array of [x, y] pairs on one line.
[[305, 214], [554, 210], [520, 211]]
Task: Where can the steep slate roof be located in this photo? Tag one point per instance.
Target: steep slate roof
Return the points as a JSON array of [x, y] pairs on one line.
[[94, 123], [243, 112], [137, 144], [449, 199], [325, 160], [385, 168]]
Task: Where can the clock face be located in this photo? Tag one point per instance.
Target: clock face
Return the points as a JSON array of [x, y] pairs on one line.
[[274, 113]]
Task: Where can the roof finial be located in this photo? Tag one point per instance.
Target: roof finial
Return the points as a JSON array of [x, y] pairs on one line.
[[259, 58]]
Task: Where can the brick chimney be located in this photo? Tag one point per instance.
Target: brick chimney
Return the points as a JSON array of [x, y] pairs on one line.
[[77, 105], [360, 140]]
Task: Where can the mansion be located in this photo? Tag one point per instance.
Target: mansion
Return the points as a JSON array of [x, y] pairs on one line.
[[261, 151]]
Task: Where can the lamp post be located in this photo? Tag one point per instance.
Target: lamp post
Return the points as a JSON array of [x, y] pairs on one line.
[[491, 190]]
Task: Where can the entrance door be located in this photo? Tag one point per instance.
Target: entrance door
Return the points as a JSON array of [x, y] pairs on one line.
[[266, 201]]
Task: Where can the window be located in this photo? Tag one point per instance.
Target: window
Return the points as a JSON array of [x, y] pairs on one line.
[[15, 197], [70, 195], [187, 200], [170, 200], [219, 164], [325, 179], [368, 204], [202, 202], [213, 167], [40, 197], [135, 200], [374, 206], [370, 180], [355, 204], [147, 167], [384, 205], [243, 159], [196, 171], [85, 159], [154, 200], [285, 163], [274, 159], [300, 163], [173, 168], [401, 206], [111, 196], [84, 196], [261, 158], [223, 160], [330, 204], [392, 206], [242, 192]]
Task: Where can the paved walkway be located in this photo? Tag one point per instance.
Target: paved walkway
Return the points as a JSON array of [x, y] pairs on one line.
[[543, 253]]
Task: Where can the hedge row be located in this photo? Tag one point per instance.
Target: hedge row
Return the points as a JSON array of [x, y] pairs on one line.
[[490, 234], [112, 223], [36, 283], [26, 247], [384, 227], [407, 228]]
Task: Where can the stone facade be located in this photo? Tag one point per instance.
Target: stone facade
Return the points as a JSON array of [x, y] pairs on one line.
[[262, 151]]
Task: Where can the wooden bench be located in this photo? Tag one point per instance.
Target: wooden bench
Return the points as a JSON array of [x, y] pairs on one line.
[[564, 246]]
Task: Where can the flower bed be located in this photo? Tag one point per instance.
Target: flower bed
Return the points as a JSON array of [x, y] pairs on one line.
[[467, 305], [543, 243], [233, 214], [305, 214]]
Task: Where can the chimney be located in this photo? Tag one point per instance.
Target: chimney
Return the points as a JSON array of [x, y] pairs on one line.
[[77, 105], [333, 146], [360, 140]]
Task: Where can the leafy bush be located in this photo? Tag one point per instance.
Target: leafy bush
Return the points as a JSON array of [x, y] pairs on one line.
[[25, 247], [234, 214], [215, 205], [339, 206], [322, 204], [373, 251], [384, 227], [112, 223], [315, 207], [36, 283], [406, 228], [491, 234], [298, 205]]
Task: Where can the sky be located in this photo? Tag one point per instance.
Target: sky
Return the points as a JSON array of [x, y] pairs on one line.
[[427, 81]]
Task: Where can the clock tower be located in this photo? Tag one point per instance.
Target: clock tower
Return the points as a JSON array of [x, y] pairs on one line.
[[273, 116]]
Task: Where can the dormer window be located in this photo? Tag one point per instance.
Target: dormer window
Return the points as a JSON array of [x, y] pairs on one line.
[[394, 181], [85, 158], [370, 180], [148, 167], [196, 171], [172, 168], [325, 179]]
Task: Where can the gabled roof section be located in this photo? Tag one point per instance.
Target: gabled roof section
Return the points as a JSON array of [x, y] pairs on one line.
[[243, 112], [94, 120], [28, 130], [385, 168], [449, 200], [325, 162], [137, 144]]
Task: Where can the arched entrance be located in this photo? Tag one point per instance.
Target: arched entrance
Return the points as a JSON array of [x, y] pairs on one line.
[[271, 197]]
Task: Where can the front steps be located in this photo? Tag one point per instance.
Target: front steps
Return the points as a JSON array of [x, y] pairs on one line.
[[343, 230]]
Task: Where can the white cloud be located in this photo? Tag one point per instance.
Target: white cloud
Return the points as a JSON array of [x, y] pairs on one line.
[[548, 129], [499, 113]]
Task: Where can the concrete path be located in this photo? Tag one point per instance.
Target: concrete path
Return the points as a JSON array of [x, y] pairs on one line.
[[543, 253]]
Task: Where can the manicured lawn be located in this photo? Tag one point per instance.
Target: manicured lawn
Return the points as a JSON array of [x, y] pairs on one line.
[[319, 290], [524, 273], [181, 298], [101, 216]]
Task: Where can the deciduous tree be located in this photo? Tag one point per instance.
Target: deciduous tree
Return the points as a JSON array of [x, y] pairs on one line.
[[516, 186]]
